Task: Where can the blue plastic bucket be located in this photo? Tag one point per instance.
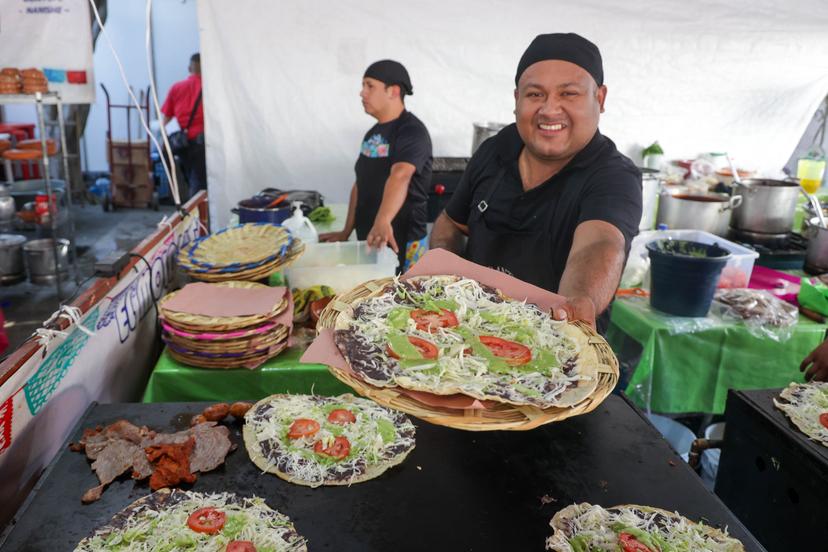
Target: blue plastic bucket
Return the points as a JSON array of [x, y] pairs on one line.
[[684, 275]]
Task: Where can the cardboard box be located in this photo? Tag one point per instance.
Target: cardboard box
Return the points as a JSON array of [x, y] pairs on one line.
[[124, 152], [131, 186]]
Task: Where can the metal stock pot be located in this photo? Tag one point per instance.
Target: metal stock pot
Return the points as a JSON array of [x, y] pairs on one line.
[[683, 209], [768, 206]]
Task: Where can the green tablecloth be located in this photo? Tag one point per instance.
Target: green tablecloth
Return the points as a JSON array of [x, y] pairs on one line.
[[692, 372], [171, 381]]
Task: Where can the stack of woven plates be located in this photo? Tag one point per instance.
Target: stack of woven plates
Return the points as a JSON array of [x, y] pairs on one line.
[[226, 341], [247, 252]]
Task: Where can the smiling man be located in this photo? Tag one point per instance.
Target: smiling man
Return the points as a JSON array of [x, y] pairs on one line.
[[550, 200], [388, 199]]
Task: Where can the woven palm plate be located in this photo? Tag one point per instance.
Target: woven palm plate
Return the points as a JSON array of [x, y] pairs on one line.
[[258, 273], [500, 417], [242, 345], [198, 333], [237, 248], [250, 361], [200, 323]]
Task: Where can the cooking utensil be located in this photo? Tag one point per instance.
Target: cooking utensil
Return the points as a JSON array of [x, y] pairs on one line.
[[7, 208], [40, 259], [650, 188], [768, 206], [256, 209], [817, 207], [683, 209], [816, 257], [484, 131], [276, 201], [11, 255], [736, 178]]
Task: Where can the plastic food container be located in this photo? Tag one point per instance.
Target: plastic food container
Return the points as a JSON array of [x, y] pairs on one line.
[[340, 265], [737, 271]]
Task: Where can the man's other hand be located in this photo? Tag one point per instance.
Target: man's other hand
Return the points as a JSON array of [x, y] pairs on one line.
[[576, 308], [382, 233], [334, 236], [818, 361]]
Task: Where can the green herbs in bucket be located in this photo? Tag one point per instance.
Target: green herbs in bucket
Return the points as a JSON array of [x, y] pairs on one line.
[[688, 248]]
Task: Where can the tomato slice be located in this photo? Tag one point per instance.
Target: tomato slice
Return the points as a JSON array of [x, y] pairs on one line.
[[427, 320], [339, 449], [206, 520], [240, 546], [303, 427], [823, 419], [513, 353], [631, 544], [341, 416], [427, 348]]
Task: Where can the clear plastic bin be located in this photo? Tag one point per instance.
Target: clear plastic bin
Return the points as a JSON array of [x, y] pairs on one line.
[[340, 265], [736, 273]]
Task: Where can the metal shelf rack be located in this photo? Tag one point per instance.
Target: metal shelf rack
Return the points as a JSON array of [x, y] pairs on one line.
[[40, 99]]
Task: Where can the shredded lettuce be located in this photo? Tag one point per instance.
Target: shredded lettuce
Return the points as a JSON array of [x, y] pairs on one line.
[[463, 362], [367, 435], [166, 529]]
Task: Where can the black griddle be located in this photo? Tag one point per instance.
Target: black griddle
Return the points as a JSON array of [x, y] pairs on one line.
[[457, 491], [771, 475]]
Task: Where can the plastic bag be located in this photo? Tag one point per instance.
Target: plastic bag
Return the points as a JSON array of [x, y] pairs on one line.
[[676, 325], [762, 313]]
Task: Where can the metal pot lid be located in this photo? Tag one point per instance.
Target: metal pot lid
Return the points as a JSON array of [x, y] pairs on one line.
[[11, 240]]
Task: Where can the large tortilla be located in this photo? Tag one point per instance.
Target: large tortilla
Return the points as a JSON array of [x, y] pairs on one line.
[[167, 500], [803, 403], [587, 364], [370, 470], [561, 523]]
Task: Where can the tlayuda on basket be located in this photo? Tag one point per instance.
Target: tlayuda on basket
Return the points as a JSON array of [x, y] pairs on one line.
[[226, 324], [245, 252], [464, 346]]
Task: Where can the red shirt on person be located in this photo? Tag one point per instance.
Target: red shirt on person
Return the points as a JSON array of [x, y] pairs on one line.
[[180, 101]]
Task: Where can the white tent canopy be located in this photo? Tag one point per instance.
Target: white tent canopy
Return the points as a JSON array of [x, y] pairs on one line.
[[282, 79]]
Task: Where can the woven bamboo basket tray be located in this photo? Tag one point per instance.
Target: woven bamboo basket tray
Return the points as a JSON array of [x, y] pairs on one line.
[[230, 346], [238, 248], [500, 417], [199, 323], [256, 274], [228, 363], [246, 326], [209, 335]]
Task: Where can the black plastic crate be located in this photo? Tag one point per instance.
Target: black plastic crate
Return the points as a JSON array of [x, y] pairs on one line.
[[771, 476]]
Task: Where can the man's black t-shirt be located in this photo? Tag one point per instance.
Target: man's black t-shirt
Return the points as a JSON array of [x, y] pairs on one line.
[[599, 183], [404, 139]]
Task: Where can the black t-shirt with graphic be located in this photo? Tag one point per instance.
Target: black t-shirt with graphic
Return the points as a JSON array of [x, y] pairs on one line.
[[404, 139]]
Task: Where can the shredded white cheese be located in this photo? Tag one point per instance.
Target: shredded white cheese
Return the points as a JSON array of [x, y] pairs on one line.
[[166, 530], [372, 436], [804, 403], [599, 528], [541, 382]]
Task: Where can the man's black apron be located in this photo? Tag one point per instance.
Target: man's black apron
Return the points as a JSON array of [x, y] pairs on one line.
[[371, 175], [522, 254]]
